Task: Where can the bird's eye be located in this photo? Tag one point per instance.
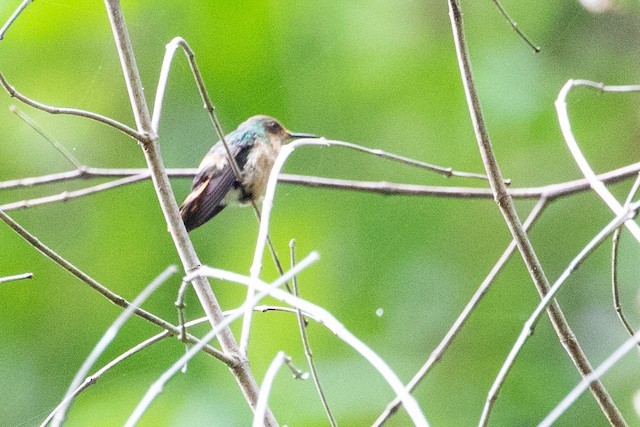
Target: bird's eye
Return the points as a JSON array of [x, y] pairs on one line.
[[273, 126]]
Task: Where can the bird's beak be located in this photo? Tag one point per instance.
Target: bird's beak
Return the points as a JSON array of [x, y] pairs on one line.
[[301, 135]]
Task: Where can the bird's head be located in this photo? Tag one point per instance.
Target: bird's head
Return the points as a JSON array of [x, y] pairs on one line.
[[269, 129]]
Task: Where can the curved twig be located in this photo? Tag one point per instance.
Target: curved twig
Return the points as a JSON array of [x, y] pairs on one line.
[[72, 111]]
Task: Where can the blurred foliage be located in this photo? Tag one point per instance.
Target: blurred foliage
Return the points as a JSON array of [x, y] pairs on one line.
[[378, 73]]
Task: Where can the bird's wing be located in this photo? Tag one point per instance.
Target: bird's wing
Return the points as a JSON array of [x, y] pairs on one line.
[[211, 185]]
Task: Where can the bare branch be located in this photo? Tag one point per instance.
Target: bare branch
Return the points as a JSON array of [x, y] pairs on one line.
[[505, 204], [578, 156], [515, 27], [439, 351], [13, 17], [16, 277], [550, 191], [330, 322], [614, 263], [626, 347], [305, 343], [531, 323], [104, 291], [71, 111], [265, 389], [68, 195], [184, 247], [92, 379], [158, 385], [106, 339]]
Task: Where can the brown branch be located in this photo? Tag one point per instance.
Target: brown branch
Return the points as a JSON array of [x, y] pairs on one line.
[[68, 195], [506, 206], [184, 247], [103, 290], [71, 111], [549, 192], [439, 351]]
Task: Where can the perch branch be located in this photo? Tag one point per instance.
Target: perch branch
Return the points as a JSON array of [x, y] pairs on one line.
[[241, 369]]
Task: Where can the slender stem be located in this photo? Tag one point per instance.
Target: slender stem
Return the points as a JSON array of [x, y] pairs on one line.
[[71, 111], [576, 152], [106, 339], [158, 385], [550, 191], [626, 347], [69, 195], [305, 342], [515, 27], [439, 351], [16, 277], [505, 204], [103, 290], [325, 318], [190, 261], [614, 263], [535, 317], [265, 389], [13, 17]]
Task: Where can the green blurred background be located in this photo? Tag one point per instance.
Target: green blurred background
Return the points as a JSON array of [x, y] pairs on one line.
[[377, 73]]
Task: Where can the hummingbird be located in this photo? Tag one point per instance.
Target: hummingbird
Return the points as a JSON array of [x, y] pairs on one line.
[[254, 145]]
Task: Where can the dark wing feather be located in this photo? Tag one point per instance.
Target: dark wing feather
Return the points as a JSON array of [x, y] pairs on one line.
[[210, 186]]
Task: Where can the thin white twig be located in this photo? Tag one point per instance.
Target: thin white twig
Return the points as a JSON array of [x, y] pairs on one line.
[[109, 336], [263, 232], [565, 125], [92, 379], [327, 319], [609, 362], [531, 323], [16, 277], [265, 388], [267, 205], [13, 17], [158, 385]]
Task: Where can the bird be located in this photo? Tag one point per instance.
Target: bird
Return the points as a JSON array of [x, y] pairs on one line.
[[254, 145]]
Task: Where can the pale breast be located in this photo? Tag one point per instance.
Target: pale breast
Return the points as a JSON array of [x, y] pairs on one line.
[[258, 167]]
